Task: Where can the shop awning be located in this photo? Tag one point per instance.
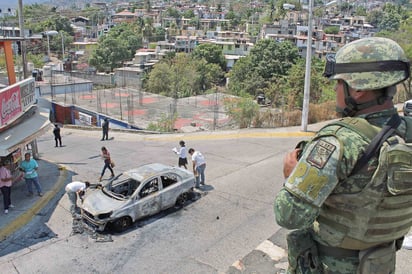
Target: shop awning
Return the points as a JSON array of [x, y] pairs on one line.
[[24, 132]]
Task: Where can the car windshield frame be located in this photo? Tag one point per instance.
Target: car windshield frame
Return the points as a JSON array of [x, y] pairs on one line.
[[119, 180]]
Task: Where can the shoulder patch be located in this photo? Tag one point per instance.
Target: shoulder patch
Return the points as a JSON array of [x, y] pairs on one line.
[[320, 154]]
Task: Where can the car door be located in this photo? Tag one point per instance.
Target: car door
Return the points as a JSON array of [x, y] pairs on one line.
[[171, 189], [148, 199]]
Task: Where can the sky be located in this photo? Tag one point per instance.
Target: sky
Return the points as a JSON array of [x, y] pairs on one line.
[[4, 4]]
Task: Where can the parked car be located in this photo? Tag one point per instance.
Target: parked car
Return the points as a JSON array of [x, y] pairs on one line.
[[135, 194], [407, 108]]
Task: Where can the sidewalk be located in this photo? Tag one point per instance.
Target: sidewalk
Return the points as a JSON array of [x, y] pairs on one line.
[[52, 179]]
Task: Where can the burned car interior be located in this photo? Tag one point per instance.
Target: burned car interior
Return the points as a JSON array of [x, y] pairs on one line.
[[135, 194], [125, 188], [151, 187], [168, 180]]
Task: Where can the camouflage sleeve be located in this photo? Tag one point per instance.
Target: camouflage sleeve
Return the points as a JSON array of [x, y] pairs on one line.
[[298, 204], [293, 213], [315, 176]]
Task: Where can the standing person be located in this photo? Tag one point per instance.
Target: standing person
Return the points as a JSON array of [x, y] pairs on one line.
[[6, 180], [182, 162], [107, 163], [105, 129], [29, 166], [199, 166], [73, 189], [344, 217], [57, 136]]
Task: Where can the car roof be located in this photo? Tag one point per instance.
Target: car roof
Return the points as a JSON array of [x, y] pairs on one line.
[[144, 172]]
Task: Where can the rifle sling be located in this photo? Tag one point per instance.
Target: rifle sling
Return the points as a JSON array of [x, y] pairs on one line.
[[387, 130]]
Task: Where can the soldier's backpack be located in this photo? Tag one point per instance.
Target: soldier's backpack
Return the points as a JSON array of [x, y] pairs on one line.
[[395, 153]]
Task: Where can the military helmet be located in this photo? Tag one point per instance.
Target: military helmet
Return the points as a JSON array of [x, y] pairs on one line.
[[369, 63]]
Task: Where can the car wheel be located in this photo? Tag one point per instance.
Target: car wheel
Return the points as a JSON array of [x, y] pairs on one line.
[[181, 200], [122, 224]]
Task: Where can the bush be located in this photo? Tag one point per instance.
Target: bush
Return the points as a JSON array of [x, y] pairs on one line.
[[164, 124]]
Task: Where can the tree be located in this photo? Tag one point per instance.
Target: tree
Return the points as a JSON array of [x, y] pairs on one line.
[[287, 92], [242, 110], [234, 19], [54, 22], [212, 53], [110, 54], [172, 12], [160, 79], [120, 44], [208, 75], [174, 78], [390, 22], [374, 17], [188, 14], [266, 61], [392, 17], [331, 30], [402, 36], [242, 78], [361, 11], [57, 40], [182, 76]]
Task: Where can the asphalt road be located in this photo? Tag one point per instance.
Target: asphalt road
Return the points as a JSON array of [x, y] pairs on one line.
[[230, 218]]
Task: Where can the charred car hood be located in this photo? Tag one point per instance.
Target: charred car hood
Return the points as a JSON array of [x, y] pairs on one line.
[[98, 202]]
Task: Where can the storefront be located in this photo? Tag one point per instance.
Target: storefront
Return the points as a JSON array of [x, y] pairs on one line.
[[21, 122]]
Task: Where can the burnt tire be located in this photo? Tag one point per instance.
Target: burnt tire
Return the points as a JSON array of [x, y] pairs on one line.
[[121, 224], [182, 199]]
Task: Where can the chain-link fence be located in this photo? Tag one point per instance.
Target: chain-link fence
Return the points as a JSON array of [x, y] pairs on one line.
[[130, 103]]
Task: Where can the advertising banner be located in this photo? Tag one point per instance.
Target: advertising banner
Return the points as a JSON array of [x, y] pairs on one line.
[[10, 105]]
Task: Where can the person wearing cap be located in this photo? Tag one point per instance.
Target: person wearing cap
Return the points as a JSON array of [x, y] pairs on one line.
[[73, 190], [182, 161], [343, 217], [6, 180]]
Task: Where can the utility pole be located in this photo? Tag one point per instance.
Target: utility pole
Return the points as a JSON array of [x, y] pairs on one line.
[[23, 41], [306, 92]]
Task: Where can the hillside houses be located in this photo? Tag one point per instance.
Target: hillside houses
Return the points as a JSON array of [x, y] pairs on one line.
[[211, 25]]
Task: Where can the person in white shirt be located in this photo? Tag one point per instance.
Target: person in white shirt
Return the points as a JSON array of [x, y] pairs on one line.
[[182, 154], [73, 189], [199, 166]]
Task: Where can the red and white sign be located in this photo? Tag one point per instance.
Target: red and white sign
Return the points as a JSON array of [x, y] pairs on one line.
[[10, 103]]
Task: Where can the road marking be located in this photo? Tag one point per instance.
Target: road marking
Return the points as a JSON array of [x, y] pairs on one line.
[[273, 251], [221, 136], [28, 215]]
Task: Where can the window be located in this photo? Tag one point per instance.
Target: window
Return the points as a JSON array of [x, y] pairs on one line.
[[168, 180], [150, 188]]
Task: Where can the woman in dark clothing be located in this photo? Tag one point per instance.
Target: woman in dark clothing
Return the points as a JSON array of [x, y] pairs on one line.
[[107, 162]]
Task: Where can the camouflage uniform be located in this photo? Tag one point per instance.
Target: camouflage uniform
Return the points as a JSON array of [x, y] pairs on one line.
[[315, 196]]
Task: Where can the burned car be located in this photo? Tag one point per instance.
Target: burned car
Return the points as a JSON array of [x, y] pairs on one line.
[[135, 194]]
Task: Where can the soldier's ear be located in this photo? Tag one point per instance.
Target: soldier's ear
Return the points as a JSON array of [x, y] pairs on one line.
[[362, 95]]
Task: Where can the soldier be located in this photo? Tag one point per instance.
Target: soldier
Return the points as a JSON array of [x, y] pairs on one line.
[[346, 219], [105, 129], [57, 135]]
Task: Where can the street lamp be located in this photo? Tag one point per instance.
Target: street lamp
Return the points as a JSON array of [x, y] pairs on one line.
[[306, 91], [49, 33]]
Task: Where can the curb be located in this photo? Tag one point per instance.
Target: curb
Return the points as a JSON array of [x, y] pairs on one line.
[[27, 216]]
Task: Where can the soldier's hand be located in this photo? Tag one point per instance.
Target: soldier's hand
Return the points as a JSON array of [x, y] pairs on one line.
[[289, 162]]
